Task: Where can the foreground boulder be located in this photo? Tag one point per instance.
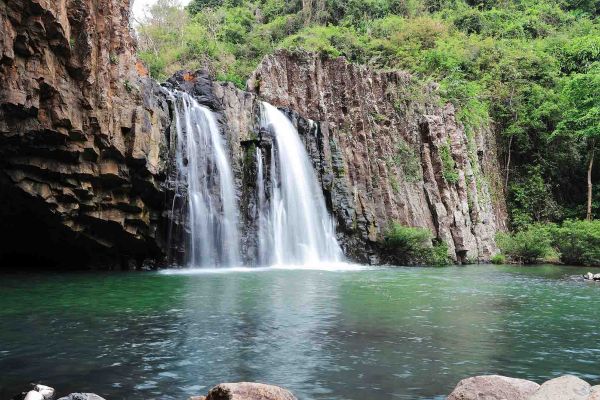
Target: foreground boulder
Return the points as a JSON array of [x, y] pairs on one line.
[[493, 387], [566, 387], [248, 391]]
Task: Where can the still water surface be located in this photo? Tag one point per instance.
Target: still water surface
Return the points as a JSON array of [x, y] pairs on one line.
[[389, 333]]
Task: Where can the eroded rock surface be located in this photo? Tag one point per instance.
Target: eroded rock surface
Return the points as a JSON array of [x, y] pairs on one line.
[[493, 387], [567, 387], [81, 136], [386, 151], [248, 391]]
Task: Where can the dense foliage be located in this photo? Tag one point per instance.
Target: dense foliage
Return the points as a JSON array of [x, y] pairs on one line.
[[572, 242], [531, 67], [411, 245]]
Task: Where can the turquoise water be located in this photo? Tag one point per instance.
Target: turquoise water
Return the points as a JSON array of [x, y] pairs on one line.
[[391, 333]]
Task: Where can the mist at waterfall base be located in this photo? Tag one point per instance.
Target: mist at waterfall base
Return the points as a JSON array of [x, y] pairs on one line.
[[294, 227]]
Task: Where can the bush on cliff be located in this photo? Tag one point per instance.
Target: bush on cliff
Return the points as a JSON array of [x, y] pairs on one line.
[[411, 245]]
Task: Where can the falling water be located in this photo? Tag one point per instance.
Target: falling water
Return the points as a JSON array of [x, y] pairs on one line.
[[204, 170], [296, 228]]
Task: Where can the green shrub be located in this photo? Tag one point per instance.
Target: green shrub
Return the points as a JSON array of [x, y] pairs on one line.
[[528, 246], [578, 242], [498, 259], [415, 245]]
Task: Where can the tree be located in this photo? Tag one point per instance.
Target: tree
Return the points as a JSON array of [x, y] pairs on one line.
[[580, 105], [196, 6]]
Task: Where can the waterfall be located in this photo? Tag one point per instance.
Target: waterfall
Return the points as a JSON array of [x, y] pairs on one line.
[[296, 227], [205, 187]]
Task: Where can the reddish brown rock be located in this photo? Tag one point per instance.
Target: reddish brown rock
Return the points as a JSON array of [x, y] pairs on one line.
[[386, 151], [248, 391], [493, 387], [81, 136]]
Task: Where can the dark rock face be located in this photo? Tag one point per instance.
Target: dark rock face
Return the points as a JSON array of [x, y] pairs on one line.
[[82, 137], [385, 151]]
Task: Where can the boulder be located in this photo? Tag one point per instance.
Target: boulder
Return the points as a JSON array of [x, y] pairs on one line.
[[82, 396], [595, 393], [597, 277], [248, 391], [566, 387], [46, 391], [34, 395], [589, 276], [493, 387]]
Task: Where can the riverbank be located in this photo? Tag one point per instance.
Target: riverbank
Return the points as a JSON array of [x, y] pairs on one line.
[[488, 387]]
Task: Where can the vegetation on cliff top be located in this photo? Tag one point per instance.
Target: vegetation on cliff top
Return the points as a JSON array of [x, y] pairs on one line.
[[532, 67]]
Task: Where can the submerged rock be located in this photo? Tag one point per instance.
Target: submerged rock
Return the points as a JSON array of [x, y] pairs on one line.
[[566, 387], [248, 391], [493, 387]]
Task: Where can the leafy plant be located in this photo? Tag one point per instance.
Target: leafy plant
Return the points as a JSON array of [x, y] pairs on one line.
[[415, 245]]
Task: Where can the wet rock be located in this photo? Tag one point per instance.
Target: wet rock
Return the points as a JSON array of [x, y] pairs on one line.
[[46, 391], [34, 395], [566, 387], [493, 387], [248, 391], [597, 277], [382, 154], [82, 129], [82, 396], [589, 276]]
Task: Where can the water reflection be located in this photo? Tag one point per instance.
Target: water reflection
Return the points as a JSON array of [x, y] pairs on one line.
[[393, 333]]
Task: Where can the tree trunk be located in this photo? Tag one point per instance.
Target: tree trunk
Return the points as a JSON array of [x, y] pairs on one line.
[[589, 182], [508, 164]]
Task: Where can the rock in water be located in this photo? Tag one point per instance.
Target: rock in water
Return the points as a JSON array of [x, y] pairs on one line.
[[493, 387], [597, 277], [34, 395], [566, 387], [248, 391], [589, 276], [82, 396], [46, 391]]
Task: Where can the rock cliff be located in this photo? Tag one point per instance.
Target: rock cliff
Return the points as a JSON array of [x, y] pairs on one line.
[[86, 144], [81, 135], [386, 150]]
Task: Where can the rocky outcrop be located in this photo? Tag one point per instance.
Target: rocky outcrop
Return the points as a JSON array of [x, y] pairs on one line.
[[566, 387], [387, 151], [492, 387], [81, 137], [248, 391], [86, 145]]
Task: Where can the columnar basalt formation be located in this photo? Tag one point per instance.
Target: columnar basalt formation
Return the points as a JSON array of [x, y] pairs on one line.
[[387, 151], [81, 135], [86, 146]]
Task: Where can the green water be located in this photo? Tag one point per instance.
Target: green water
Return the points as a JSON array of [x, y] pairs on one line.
[[404, 333]]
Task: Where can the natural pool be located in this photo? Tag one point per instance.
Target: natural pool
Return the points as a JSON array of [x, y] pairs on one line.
[[406, 333]]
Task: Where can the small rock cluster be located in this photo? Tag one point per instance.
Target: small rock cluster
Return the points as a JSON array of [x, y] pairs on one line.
[[43, 392], [223, 391], [496, 387], [592, 277]]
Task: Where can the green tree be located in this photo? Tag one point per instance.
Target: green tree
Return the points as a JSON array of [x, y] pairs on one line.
[[580, 105]]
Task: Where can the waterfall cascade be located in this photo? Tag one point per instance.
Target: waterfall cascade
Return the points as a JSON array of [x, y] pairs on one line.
[[294, 227], [204, 187]]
